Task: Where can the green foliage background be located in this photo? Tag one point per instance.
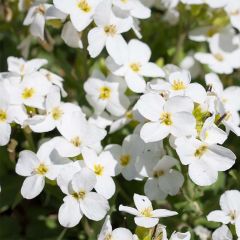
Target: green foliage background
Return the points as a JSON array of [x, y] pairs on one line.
[[37, 219]]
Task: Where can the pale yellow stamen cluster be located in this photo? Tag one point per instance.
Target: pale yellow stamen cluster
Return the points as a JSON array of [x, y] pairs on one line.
[[158, 173], [57, 113], [76, 141], [200, 151], [219, 57], [84, 6], [98, 169], [28, 93], [166, 119], [124, 160], [147, 212], [42, 169], [105, 93], [79, 195], [3, 116], [110, 30], [178, 85], [135, 67]]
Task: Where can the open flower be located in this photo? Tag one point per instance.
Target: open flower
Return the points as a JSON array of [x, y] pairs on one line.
[[36, 167], [230, 210], [108, 32], [81, 11], [165, 117], [104, 167], [80, 200], [107, 94], [204, 156], [117, 234], [145, 215], [77, 133], [135, 66]]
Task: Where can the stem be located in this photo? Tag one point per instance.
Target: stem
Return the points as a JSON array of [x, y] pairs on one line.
[[87, 228], [28, 135], [62, 233]]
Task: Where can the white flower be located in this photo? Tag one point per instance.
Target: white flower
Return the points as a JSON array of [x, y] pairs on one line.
[[32, 93], [80, 200], [134, 8], [166, 117], [189, 63], [20, 67], [104, 167], [108, 233], [35, 167], [135, 66], [38, 14], [81, 11], [55, 110], [233, 10], [204, 157], [230, 210], [107, 94], [222, 233], [127, 155], [108, 32], [202, 232], [145, 215], [5, 118], [180, 236], [77, 133], [163, 180], [180, 85], [223, 58], [71, 36]]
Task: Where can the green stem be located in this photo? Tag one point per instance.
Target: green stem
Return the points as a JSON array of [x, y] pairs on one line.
[[62, 233], [28, 135]]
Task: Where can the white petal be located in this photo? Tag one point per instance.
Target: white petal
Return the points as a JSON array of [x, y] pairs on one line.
[[150, 106], [69, 214], [5, 130], [159, 213], [154, 131], [26, 163], [105, 186], [152, 70], [84, 180], [32, 186], [100, 204], [146, 222], [218, 216]]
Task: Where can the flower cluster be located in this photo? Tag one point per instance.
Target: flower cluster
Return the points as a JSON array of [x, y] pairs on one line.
[[178, 126]]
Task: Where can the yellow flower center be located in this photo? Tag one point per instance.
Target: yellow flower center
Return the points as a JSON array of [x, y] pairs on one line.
[[76, 141], [211, 32], [42, 169], [79, 195], [105, 93], [124, 1], [135, 67], [219, 57], [178, 85], [158, 173], [129, 115], [110, 30], [28, 93], [108, 237], [200, 151], [232, 215], [124, 160], [147, 212], [166, 118], [41, 9], [84, 6], [3, 116], [98, 169], [57, 113]]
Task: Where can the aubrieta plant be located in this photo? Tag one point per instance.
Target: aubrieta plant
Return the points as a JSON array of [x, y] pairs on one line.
[[120, 118]]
